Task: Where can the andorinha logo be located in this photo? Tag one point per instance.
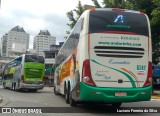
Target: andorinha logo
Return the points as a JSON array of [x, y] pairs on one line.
[[119, 19], [130, 38], [120, 43]]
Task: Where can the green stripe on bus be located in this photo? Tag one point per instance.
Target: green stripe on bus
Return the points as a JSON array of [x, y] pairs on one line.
[[128, 76]]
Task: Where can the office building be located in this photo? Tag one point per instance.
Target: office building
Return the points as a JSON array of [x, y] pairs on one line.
[[16, 35], [43, 41]]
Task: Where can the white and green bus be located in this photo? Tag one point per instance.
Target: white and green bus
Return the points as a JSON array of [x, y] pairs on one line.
[[24, 72], [106, 58]]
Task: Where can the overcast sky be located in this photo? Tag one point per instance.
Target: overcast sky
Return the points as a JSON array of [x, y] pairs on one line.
[[36, 15]]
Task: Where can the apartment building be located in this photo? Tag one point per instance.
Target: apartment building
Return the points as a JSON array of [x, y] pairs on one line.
[[43, 41], [16, 35]]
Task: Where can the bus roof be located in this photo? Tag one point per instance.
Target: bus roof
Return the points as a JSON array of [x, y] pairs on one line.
[[115, 9]]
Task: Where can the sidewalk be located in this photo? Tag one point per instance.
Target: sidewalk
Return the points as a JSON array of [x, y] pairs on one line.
[[156, 94]]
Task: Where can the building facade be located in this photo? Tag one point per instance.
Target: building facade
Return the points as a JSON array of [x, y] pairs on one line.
[[4, 45], [49, 63], [0, 47], [43, 41], [16, 35]]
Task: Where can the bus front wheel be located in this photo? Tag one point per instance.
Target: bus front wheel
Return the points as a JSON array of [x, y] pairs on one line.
[[55, 92]]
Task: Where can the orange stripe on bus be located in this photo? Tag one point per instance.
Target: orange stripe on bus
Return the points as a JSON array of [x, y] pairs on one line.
[[132, 75]]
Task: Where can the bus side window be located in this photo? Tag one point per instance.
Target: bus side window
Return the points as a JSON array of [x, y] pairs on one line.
[[59, 58], [82, 24], [18, 61], [71, 43]]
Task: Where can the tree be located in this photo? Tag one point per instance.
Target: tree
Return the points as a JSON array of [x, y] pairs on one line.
[[67, 33], [155, 24], [126, 5], [73, 21], [96, 4], [78, 11]]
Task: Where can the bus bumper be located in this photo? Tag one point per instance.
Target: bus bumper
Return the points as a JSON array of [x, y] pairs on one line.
[[107, 95], [31, 86]]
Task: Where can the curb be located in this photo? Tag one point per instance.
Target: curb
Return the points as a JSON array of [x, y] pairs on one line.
[[155, 97], [156, 94]]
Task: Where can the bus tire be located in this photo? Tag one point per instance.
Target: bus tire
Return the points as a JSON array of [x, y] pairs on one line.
[[55, 92], [13, 86], [72, 102], [67, 90], [32, 90], [117, 105], [4, 86]]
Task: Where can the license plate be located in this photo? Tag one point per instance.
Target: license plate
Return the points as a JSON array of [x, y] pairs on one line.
[[120, 94]]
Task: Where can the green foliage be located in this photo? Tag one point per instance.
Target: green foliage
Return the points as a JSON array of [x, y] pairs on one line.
[[155, 58], [73, 21], [156, 16], [96, 4], [126, 5], [155, 13], [111, 3], [155, 24], [146, 6], [78, 11]]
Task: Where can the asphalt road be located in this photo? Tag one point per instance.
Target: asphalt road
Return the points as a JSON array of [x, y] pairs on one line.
[[46, 98]]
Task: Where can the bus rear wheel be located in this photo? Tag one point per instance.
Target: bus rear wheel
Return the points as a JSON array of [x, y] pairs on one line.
[[32, 90], [14, 86], [72, 102], [67, 89], [55, 92]]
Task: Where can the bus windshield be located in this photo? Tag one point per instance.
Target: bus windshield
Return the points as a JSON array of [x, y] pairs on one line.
[[111, 21], [34, 58]]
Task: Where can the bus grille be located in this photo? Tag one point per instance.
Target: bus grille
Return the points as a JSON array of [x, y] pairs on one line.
[[119, 52], [33, 73]]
